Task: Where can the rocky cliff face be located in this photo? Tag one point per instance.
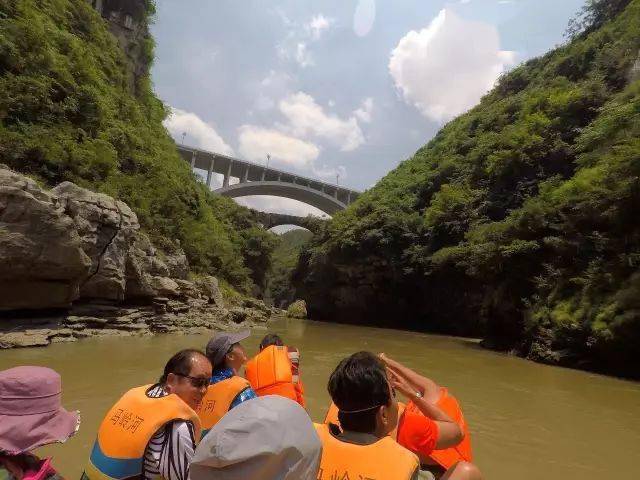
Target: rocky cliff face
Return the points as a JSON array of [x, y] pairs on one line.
[[127, 20], [42, 263], [70, 243], [80, 256]]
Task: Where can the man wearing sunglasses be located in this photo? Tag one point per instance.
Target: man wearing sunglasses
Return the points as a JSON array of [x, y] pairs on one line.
[[152, 431], [227, 389]]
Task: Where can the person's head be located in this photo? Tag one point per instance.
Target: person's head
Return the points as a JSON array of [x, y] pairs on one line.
[[271, 339], [270, 437], [360, 389], [187, 374], [31, 414], [224, 350]]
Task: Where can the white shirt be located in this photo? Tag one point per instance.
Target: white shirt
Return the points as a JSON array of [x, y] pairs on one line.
[[170, 450]]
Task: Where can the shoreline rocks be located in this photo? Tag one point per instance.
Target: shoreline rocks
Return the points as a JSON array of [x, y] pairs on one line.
[[163, 316]]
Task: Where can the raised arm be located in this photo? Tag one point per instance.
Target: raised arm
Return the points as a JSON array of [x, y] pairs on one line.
[[449, 432], [427, 387]]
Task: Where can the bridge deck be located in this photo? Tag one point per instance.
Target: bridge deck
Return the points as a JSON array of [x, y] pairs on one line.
[[251, 172]]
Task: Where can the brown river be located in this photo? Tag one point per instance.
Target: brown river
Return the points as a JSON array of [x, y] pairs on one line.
[[528, 421]]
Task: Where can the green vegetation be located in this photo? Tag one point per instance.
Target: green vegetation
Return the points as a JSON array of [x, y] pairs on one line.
[[284, 261], [67, 113], [518, 221]]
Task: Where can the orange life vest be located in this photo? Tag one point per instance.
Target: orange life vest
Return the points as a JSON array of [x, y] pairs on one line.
[[218, 399], [118, 451], [461, 452], [382, 460], [270, 373], [448, 403]]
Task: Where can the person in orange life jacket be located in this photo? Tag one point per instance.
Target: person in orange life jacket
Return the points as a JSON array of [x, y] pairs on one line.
[[433, 393], [422, 416], [368, 412], [152, 431], [226, 389], [276, 370]]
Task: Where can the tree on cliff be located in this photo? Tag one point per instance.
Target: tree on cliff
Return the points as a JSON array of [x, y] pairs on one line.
[[518, 221], [67, 112]]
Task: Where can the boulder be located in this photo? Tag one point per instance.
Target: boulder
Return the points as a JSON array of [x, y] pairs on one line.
[[106, 227], [165, 286], [144, 262], [297, 309], [42, 262], [256, 304], [177, 264], [209, 288]]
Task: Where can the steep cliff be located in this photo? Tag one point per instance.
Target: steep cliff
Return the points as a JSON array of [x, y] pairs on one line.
[[76, 105], [518, 221]]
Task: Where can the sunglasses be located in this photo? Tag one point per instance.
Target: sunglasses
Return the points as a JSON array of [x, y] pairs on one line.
[[196, 382]]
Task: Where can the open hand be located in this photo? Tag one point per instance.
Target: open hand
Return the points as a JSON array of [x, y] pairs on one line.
[[400, 384]]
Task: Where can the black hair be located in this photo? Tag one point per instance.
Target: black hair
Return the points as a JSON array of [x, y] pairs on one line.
[[359, 382], [180, 363], [271, 339]]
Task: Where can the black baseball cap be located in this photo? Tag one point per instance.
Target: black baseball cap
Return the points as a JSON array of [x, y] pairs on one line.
[[220, 344]]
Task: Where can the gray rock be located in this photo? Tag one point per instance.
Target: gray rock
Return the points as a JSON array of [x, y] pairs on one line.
[[187, 289], [165, 286], [143, 263], [209, 288], [42, 262], [107, 227], [24, 339], [177, 264]]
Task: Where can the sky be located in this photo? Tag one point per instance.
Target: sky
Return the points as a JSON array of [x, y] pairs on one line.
[[339, 90]]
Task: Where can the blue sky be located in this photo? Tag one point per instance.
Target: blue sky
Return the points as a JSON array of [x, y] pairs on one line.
[[338, 87]]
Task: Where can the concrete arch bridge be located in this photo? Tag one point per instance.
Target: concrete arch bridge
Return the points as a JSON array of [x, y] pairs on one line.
[[257, 179]]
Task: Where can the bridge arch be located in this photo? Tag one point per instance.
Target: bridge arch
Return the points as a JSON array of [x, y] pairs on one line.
[[271, 220], [310, 196]]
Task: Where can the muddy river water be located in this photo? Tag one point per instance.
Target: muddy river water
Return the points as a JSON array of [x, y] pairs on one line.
[[528, 421]]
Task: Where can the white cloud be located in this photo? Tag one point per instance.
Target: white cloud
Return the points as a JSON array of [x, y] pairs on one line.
[[295, 46], [199, 133], [317, 25], [303, 56], [329, 173], [256, 142], [305, 117], [364, 17], [297, 51], [365, 111], [275, 84], [445, 69]]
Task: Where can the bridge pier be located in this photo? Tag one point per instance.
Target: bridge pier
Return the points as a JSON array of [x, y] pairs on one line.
[[349, 197], [227, 175], [210, 171], [193, 160], [245, 175]]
